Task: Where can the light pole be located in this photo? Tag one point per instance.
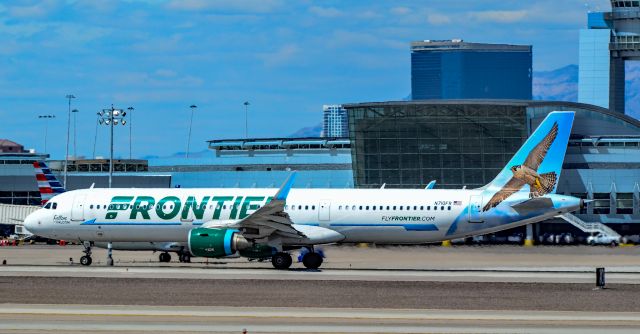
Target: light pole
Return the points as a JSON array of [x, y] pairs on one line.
[[193, 107], [111, 117], [130, 130], [75, 133], [46, 128], [246, 119], [95, 138], [66, 155]]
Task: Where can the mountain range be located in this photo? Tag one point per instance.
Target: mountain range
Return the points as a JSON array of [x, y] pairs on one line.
[[556, 85], [562, 85]]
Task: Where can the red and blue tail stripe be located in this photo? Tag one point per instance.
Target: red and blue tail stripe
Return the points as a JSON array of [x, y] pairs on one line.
[[48, 185]]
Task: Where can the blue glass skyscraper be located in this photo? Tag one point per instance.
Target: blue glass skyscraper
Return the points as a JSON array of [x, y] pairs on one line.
[[454, 69]]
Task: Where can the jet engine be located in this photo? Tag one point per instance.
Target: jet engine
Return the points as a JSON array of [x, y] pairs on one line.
[[216, 242]]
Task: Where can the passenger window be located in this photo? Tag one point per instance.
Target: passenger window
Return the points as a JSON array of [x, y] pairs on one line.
[[340, 207], [449, 208], [299, 207], [442, 208], [353, 208], [421, 207], [91, 206], [306, 207], [435, 208], [313, 207], [401, 207], [415, 207], [224, 207], [374, 208], [360, 207], [394, 207], [428, 207]]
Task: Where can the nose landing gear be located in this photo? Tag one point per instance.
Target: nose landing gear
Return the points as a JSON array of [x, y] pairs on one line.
[[86, 260]]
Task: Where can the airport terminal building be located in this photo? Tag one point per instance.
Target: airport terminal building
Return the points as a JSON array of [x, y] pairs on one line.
[[465, 143]]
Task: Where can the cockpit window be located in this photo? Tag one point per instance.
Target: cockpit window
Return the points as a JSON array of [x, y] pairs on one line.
[[48, 206], [54, 206]]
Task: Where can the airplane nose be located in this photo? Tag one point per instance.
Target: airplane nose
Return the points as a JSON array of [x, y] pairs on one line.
[[31, 222]]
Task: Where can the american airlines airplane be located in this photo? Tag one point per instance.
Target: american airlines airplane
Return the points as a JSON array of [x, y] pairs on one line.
[[269, 223]]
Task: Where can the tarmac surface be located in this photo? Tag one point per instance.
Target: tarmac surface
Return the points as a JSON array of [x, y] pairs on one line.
[[500, 289]]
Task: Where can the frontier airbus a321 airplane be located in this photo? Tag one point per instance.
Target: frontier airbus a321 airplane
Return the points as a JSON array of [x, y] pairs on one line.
[[269, 223]]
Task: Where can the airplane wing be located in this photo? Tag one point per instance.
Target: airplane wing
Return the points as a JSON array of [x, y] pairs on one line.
[[271, 218]]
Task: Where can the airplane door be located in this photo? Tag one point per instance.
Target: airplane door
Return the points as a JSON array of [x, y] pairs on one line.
[[475, 213], [324, 212], [77, 210]]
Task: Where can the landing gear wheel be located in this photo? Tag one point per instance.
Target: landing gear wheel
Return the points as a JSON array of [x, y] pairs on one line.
[[281, 261], [85, 260], [312, 260], [185, 258], [164, 257]]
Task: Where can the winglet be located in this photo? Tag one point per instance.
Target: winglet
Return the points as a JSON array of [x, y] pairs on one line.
[[286, 186], [431, 184]]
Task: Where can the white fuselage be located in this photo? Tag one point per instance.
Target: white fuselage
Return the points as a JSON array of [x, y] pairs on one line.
[[360, 215]]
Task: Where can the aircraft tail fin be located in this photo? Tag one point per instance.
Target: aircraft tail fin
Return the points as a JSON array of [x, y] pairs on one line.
[[48, 184], [547, 182], [543, 153]]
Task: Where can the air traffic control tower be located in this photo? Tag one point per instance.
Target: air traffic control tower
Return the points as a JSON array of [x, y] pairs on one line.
[[610, 39]]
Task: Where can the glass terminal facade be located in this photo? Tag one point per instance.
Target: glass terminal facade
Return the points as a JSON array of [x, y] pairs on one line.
[[406, 145]]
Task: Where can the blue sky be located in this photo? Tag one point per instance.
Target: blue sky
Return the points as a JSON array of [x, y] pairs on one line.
[[286, 57]]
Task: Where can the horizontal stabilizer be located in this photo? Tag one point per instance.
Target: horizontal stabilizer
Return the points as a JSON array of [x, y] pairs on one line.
[[532, 205]]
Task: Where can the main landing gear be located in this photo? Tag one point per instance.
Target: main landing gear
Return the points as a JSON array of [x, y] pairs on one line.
[[310, 259], [164, 257], [281, 260], [184, 257], [86, 260]]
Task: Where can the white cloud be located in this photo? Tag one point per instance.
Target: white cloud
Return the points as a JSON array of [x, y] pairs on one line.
[[400, 10], [236, 6], [328, 12], [36, 10], [165, 73], [282, 56], [499, 16], [368, 14], [438, 19]]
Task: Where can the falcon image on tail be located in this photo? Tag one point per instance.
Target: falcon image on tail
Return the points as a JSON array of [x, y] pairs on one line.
[[527, 173]]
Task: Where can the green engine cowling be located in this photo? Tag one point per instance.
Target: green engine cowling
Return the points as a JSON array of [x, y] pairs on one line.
[[258, 252], [215, 242]]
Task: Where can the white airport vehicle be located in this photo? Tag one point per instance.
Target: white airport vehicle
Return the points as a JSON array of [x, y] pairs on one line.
[[603, 239], [268, 223]]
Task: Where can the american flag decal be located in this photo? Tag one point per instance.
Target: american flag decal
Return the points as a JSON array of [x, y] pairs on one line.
[[457, 202], [48, 185]]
